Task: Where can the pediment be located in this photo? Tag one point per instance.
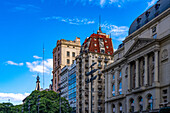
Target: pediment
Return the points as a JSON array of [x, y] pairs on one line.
[[138, 44]]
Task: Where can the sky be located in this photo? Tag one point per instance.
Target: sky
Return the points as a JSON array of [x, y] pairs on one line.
[[27, 25]]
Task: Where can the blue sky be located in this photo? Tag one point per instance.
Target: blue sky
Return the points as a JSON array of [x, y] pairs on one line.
[[26, 24]]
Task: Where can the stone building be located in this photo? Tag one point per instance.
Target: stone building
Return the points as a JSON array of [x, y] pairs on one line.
[[63, 54], [139, 78], [96, 48]]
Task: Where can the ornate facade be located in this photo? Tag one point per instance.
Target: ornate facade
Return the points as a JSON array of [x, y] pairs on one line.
[[139, 78]]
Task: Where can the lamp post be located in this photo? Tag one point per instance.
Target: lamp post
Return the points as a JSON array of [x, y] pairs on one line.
[[91, 80]]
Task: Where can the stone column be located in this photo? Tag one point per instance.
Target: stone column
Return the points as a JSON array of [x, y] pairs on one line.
[[109, 91], [129, 76], [146, 70], [156, 66], [137, 73], [116, 82]]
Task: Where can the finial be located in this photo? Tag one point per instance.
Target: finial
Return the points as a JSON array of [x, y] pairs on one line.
[[100, 31]]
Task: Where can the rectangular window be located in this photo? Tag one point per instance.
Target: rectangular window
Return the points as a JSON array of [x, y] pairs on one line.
[[113, 91], [154, 36], [68, 53], [73, 54], [72, 61], [68, 61]]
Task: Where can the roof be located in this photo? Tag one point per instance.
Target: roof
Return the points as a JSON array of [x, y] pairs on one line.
[[148, 15]]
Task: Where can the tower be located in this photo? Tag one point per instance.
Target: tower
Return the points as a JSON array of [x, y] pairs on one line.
[[38, 83]]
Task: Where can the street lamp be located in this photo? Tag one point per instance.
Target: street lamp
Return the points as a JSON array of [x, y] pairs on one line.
[[91, 80]]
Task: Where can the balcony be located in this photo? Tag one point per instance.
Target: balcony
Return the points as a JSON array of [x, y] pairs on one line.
[[99, 66], [86, 86], [99, 101], [87, 59], [86, 93], [106, 60], [99, 80], [99, 93], [86, 101], [80, 96], [99, 59], [86, 66], [80, 76], [87, 79], [99, 108], [80, 70], [99, 72], [86, 109], [99, 86]]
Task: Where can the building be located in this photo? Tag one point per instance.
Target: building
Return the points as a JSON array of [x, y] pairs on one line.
[[63, 83], [96, 48], [139, 78], [72, 87], [63, 54]]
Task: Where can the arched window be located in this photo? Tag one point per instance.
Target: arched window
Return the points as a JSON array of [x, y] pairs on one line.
[[120, 107], [120, 74], [131, 105], [114, 110], [113, 76], [140, 103], [150, 102], [120, 88], [113, 91]]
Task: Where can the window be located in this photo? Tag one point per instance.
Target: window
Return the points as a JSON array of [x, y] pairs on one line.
[[108, 53], [68, 61], [95, 50], [107, 47], [113, 77], [68, 53], [72, 61], [95, 39], [105, 41], [154, 29], [150, 102], [114, 110], [120, 107], [120, 74], [73, 47], [131, 105], [95, 45], [113, 91], [102, 51], [140, 103], [154, 36], [73, 54], [120, 88]]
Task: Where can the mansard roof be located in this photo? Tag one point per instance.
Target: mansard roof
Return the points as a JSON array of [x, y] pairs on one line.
[[148, 15]]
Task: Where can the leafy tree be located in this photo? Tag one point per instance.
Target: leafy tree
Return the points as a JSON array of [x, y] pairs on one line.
[[49, 103]]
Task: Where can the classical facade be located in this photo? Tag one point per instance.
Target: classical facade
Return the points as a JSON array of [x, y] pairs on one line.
[[139, 78], [96, 48], [63, 54]]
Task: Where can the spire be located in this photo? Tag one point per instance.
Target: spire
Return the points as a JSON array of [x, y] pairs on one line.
[[100, 30], [38, 83]]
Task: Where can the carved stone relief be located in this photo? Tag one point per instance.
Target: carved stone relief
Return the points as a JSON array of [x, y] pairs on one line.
[[164, 55]]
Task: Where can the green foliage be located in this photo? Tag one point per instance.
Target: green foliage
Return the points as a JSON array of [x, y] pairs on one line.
[[49, 103]]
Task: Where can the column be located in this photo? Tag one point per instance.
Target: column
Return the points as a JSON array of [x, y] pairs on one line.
[[129, 76], [137, 74], [116, 82], [156, 66], [146, 70]]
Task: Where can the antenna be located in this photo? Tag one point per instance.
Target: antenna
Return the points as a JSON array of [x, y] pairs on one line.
[[100, 24], [43, 65]]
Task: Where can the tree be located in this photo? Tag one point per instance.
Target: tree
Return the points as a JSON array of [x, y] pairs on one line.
[[49, 102]]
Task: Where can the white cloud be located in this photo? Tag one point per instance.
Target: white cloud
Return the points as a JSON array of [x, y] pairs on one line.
[[102, 2], [117, 32], [37, 66], [151, 3], [37, 57], [76, 21], [26, 7], [13, 63], [14, 98]]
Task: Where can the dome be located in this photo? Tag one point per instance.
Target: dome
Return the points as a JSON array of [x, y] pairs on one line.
[[148, 15]]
